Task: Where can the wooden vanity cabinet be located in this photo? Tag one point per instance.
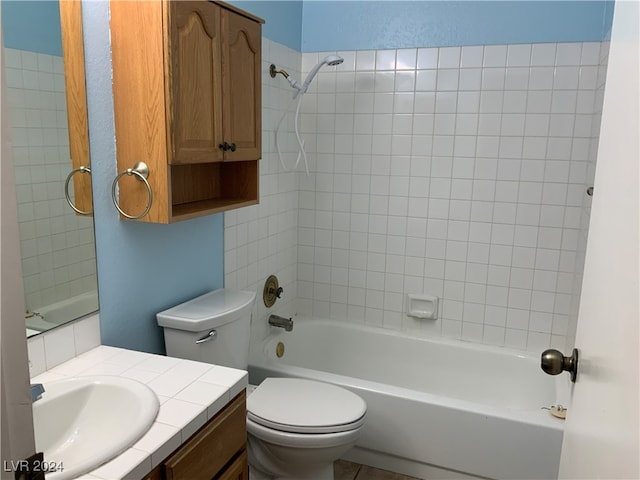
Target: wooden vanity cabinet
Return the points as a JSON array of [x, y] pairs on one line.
[[187, 102], [216, 451]]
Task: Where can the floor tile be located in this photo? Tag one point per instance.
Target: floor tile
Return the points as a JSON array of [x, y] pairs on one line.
[[370, 473], [344, 470]]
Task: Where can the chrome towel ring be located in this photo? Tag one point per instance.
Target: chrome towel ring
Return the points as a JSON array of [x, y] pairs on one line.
[[141, 171], [81, 169]]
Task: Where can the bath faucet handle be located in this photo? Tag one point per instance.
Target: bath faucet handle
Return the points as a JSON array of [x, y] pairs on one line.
[[272, 291]]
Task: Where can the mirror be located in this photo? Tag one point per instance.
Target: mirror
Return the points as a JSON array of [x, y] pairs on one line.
[[48, 118]]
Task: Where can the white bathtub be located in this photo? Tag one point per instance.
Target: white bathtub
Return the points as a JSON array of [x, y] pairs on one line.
[[56, 314], [436, 408]]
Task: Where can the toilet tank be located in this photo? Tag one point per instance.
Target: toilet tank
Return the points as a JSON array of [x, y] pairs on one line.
[[212, 328]]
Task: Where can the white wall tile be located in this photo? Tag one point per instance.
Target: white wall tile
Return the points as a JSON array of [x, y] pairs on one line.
[[519, 55], [449, 57], [471, 56], [385, 60], [38, 121], [495, 56], [543, 54], [453, 180], [568, 53], [427, 58]]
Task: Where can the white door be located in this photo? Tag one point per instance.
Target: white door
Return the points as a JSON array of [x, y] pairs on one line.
[[601, 436]]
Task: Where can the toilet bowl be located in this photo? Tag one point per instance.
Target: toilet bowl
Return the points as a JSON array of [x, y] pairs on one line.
[[296, 428]]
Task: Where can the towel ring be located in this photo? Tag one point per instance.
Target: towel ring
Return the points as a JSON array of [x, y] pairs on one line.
[[81, 169], [141, 171]]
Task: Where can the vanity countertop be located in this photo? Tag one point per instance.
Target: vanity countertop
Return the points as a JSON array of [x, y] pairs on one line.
[[190, 393]]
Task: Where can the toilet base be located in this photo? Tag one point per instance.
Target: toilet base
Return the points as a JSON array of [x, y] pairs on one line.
[[262, 456]]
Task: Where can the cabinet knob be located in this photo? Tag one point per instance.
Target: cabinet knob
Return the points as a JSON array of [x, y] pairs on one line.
[[227, 146]]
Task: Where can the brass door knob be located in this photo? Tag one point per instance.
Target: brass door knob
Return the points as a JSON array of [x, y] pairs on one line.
[[553, 363]]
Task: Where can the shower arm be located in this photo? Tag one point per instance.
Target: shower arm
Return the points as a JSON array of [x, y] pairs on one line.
[[294, 84], [273, 72]]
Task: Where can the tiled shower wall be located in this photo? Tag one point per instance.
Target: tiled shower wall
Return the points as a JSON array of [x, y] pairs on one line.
[[261, 240], [456, 172], [57, 246]]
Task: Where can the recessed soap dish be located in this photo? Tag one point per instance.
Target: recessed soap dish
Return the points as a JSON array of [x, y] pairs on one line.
[[422, 306]]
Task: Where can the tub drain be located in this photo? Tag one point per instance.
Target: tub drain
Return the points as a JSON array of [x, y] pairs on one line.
[[280, 349]]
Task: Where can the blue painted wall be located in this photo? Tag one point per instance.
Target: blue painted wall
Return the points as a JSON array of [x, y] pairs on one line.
[[146, 268], [283, 19], [362, 25], [142, 268], [32, 26]]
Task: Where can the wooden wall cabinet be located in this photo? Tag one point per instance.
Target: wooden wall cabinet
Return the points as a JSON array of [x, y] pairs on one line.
[[187, 102], [216, 451], [76, 95]]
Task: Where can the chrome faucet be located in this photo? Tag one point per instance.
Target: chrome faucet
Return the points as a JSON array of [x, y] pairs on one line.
[[37, 389], [277, 321]]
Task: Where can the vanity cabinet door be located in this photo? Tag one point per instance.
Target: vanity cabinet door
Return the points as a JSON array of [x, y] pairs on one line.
[[238, 470], [205, 455]]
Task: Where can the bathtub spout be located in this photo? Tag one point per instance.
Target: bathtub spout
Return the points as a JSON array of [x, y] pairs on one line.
[[277, 321]]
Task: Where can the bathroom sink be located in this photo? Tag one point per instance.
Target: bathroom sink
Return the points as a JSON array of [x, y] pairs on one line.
[[81, 423]]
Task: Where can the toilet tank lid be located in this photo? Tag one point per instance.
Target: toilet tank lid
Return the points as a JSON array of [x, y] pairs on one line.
[[210, 310]]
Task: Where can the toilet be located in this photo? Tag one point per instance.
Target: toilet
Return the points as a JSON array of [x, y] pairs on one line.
[[296, 428]]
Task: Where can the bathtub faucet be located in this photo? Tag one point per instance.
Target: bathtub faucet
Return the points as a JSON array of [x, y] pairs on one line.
[[277, 321]]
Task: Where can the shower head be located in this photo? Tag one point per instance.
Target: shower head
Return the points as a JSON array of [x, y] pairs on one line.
[[331, 60]]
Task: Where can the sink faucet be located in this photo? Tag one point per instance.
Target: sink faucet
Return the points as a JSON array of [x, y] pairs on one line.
[[37, 389], [277, 321]]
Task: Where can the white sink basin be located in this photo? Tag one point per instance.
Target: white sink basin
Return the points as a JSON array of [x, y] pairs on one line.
[[81, 423]]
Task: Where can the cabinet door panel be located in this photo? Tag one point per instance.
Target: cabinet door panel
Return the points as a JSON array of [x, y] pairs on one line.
[[210, 449], [242, 100], [238, 470], [137, 49], [76, 92], [194, 76]]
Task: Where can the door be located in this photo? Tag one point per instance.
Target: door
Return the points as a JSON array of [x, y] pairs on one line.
[[601, 432]]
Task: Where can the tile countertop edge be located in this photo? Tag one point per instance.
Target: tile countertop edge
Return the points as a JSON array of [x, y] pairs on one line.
[[190, 393]]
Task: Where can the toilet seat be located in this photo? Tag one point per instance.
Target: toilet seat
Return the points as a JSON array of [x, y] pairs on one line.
[[295, 405]]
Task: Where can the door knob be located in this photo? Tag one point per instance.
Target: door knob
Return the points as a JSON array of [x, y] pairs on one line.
[[553, 363]]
